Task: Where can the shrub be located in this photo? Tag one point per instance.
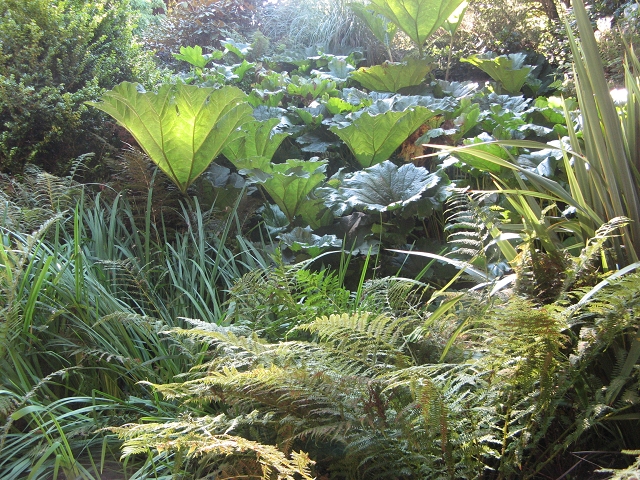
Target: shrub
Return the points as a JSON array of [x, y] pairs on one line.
[[201, 22], [54, 56], [503, 27]]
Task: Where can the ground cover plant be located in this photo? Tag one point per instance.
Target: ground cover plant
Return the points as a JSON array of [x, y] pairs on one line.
[[305, 265]]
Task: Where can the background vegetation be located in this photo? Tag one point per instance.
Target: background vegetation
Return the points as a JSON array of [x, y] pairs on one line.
[[334, 246]]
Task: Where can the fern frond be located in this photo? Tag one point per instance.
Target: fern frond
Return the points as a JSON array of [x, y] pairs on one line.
[[370, 339], [473, 224], [232, 351], [206, 436], [393, 296]]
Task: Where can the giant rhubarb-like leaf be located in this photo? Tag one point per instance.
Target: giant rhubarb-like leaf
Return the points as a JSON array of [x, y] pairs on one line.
[[289, 183], [259, 139], [182, 127], [381, 28], [509, 70], [381, 188], [419, 19], [373, 138], [391, 77]]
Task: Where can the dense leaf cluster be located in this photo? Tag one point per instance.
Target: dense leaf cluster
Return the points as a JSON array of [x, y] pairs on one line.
[[53, 57]]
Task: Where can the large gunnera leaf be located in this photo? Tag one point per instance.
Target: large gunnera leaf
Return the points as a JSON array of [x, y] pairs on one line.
[[381, 188], [509, 70], [304, 239], [373, 138], [391, 77], [381, 28], [259, 139], [419, 19], [182, 127], [289, 183]]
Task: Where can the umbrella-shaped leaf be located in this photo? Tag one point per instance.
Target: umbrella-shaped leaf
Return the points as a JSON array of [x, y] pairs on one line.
[[381, 28], [242, 68], [484, 143], [452, 23], [303, 239], [267, 98], [456, 89], [391, 77], [318, 141], [373, 138], [289, 183], [239, 48], [509, 70], [195, 57], [311, 88], [337, 105], [381, 188], [419, 19], [339, 69], [275, 221], [259, 139], [182, 128]]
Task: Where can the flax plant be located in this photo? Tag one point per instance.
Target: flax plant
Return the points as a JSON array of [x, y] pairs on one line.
[[606, 164]]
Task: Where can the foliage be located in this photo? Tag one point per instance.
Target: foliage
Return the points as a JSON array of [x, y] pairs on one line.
[[503, 27], [57, 351], [327, 25], [259, 139], [150, 315], [614, 31], [374, 133], [193, 438], [493, 411], [54, 56], [271, 303], [182, 128], [385, 188], [508, 70], [289, 183], [149, 14], [382, 29], [476, 232], [200, 22], [608, 137], [419, 19], [391, 77]]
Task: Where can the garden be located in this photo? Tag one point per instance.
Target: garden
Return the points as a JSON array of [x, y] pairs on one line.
[[319, 239]]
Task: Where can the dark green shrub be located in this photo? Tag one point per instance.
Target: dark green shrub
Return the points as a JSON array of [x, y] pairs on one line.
[[54, 56]]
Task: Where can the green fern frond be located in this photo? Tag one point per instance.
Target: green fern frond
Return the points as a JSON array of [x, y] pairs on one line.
[[583, 269], [295, 391], [474, 229], [206, 436], [362, 336], [392, 295], [232, 351], [273, 302], [629, 473]]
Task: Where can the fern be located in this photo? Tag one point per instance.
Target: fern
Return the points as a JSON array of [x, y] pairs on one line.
[[208, 438], [272, 303], [375, 342], [526, 384], [474, 226], [24, 206]]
